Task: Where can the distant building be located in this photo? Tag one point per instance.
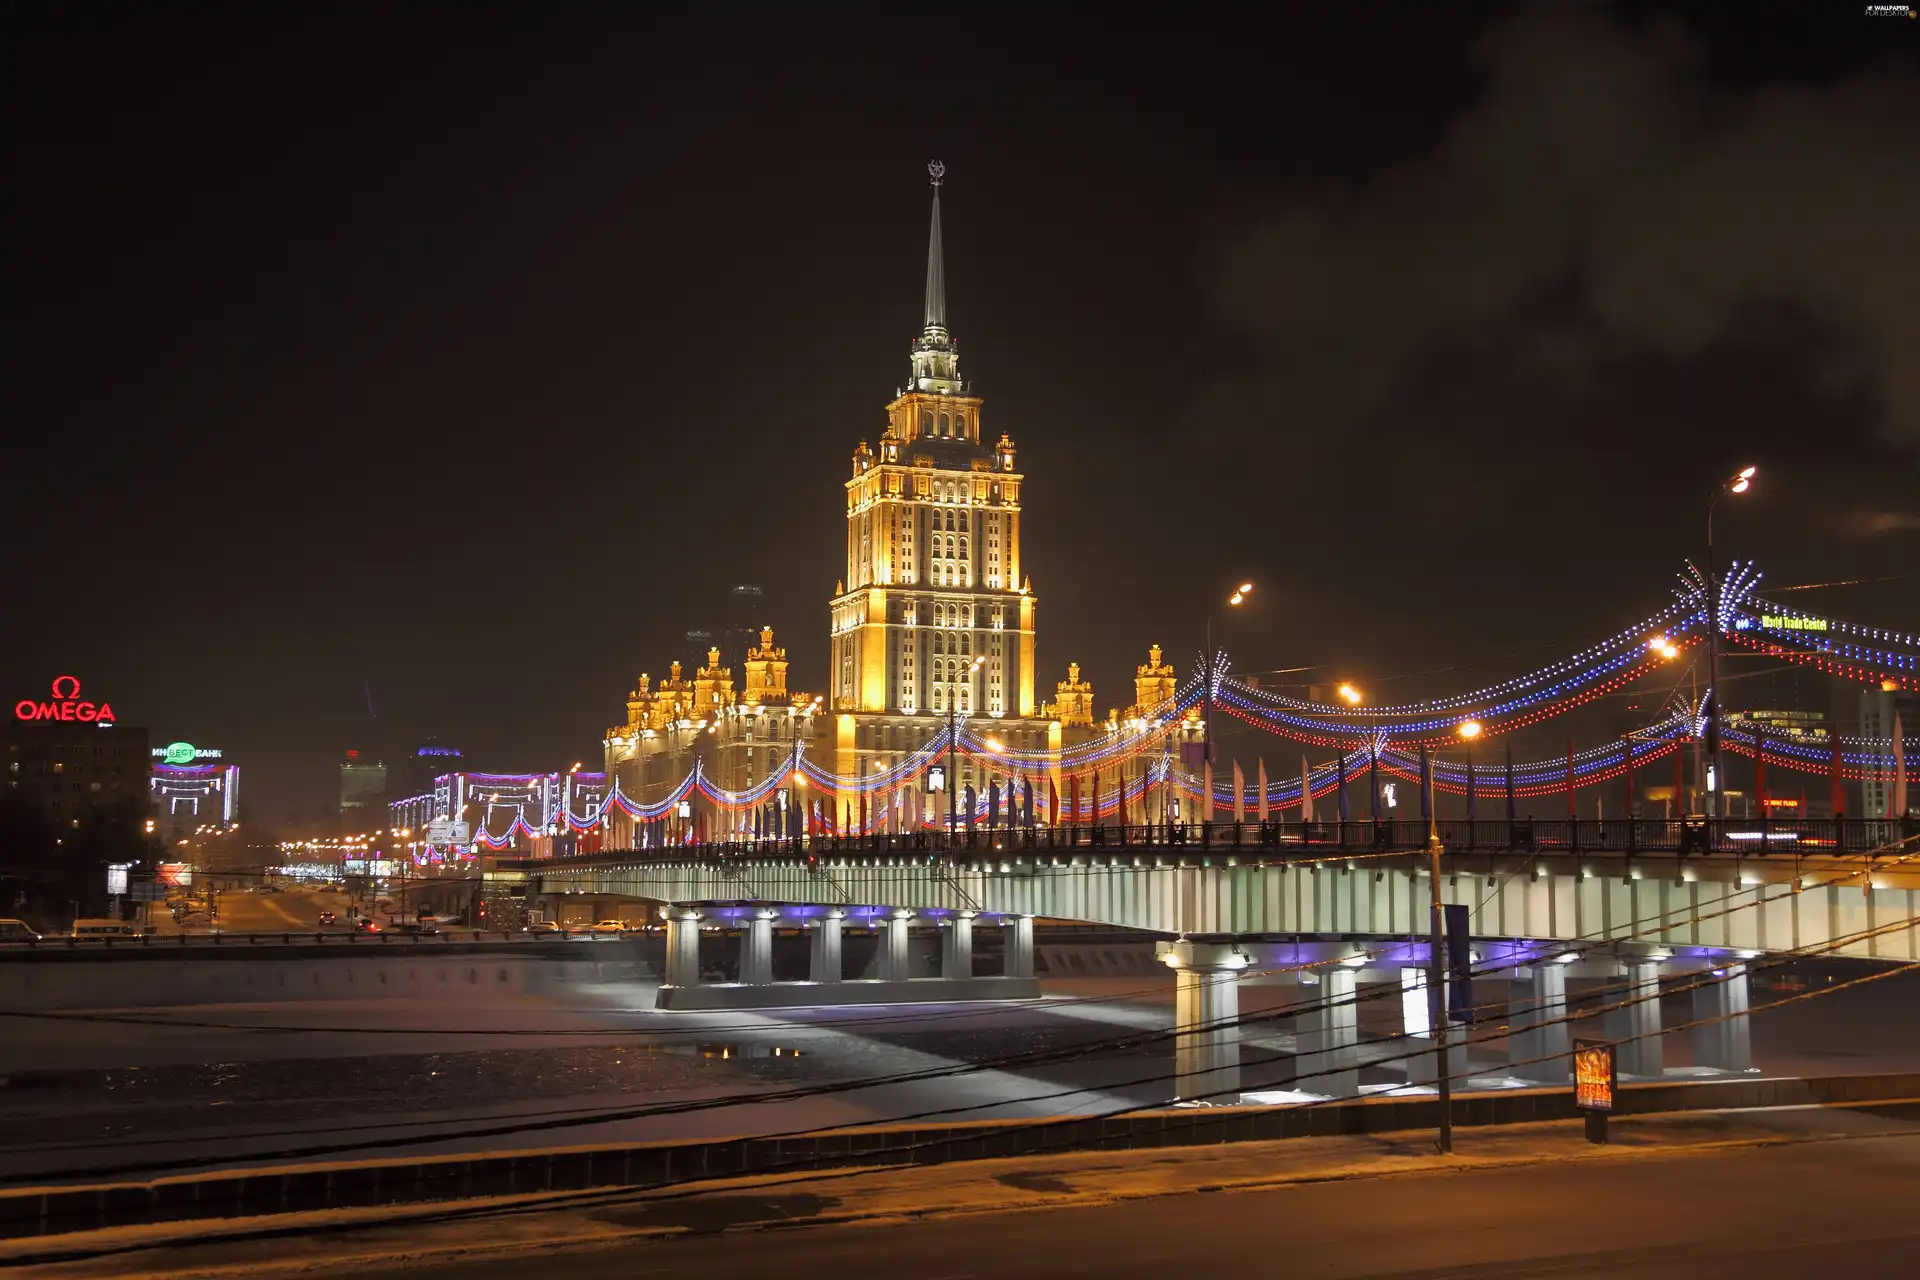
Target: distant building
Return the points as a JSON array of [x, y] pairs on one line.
[[1878, 708], [69, 769], [428, 761], [362, 784], [735, 640], [191, 787]]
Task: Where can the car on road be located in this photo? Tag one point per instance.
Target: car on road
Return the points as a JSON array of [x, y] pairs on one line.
[[424, 929], [17, 931], [542, 926], [609, 928], [103, 929], [328, 917], [364, 925]]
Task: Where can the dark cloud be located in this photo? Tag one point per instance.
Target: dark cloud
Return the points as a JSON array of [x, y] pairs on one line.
[[1599, 207]]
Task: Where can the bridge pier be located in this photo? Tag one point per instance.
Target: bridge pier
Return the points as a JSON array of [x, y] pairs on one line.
[[1422, 1040], [824, 962], [956, 946], [683, 949], [1538, 998], [756, 949], [894, 954], [1727, 1043], [1206, 1053], [1326, 1038], [1637, 1027], [1019, 946]]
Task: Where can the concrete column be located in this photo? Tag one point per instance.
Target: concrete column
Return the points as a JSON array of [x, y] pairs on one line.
[[683, 949], [1327, 1035], [1538, 998], [1206, 1054], [1637, 1027], [1416, 1020], [893, 946], [826, 966], [956, 947], [1726, 1044], [1019, 951], [756, 949]]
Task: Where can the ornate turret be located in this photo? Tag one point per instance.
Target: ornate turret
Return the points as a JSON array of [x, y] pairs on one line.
[[1153, 682], [766, 672], [712, 685], [1074, 705]]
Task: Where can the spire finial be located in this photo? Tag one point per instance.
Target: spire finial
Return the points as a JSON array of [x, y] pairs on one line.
[[936, 317]]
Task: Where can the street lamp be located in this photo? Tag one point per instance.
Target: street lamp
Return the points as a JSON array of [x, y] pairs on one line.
[[953, 750], [1349, 695], [1233, 600], [1739, 482]]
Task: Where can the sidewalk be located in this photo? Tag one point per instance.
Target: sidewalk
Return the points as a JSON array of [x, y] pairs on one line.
[[343, 1240]]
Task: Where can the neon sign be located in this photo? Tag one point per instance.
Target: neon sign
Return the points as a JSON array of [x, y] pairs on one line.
[[66, 704], [1786, 622], [185, 753]]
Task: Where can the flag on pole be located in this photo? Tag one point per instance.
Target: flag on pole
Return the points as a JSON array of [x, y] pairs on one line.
[[993, 804], [1306, 790], [1426, 783], [969, 799], [1626, 764], [1239, 794], [1570, 812], [1262, 773], [1838, 794], [1511, 813], [863, 814], [1026, 795], [1472, 784], [1093, 817], [1373, 777], [1898, 809], [1206, 792], [1053, 804]]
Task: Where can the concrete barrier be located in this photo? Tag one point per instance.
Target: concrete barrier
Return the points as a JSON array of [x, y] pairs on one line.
[[53, 1210], [798, 995], [57, 980]]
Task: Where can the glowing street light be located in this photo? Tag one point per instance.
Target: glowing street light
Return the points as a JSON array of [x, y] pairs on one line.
[[1470, 729], [1349, 695], [1739, 482]]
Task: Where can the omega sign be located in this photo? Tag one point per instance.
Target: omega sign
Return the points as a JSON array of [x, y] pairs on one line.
[[66, 704]]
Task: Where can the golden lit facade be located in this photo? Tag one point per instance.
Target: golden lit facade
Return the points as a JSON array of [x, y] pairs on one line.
[[935, 616]]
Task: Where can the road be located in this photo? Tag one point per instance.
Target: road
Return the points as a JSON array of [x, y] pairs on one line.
[[244, 911], [1822, 1208]]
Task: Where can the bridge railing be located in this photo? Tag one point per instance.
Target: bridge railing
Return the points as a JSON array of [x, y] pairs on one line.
[[1687, 836]]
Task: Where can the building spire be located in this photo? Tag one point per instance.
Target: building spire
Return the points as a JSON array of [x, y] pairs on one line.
[[936, 356], [936, 264]]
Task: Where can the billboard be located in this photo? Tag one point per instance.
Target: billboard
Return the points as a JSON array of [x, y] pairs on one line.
[[446, 831], [117, 877], [1594, 1079], [177, 874]]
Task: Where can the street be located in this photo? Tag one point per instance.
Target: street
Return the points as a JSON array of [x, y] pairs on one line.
[[1820, 1208]]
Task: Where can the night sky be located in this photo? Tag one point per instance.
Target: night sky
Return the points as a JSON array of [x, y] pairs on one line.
[[466, 354]]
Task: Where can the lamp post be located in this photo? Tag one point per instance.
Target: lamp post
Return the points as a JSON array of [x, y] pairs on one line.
[[953, 751], [1737, 483], [1206, 729]]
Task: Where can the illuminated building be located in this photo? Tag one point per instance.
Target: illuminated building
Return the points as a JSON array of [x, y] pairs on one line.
[[361, 783], [934, 583], [192, 787], [67, 757], [1879, 709]]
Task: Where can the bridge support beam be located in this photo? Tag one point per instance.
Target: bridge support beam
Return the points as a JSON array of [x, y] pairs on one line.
[[1726, 1043], [1019, 946], [1637, 1027], [956, 946], [825, 965], [1537, 1001], [756, 949], [1327, 1036], [683, 949], [893, 946], [1416, 1013], [1206, 1053]]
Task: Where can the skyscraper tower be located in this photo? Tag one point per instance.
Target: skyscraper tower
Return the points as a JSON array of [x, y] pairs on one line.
[[933, 546]]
